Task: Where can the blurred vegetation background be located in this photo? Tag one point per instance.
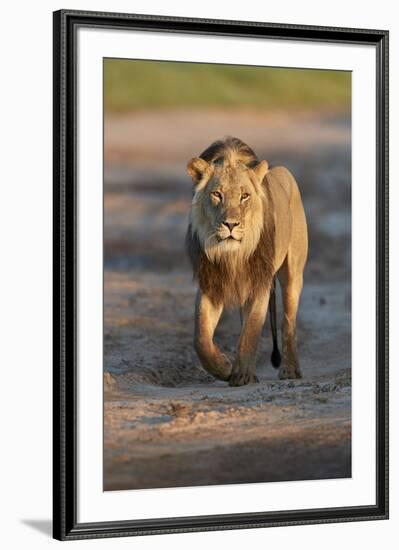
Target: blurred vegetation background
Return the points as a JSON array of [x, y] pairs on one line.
[[131, 85]]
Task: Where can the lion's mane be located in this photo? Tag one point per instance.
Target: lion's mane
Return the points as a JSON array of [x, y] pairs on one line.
[[233, 278]]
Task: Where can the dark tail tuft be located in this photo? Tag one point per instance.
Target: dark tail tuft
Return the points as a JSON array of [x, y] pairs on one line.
[[275, 356]]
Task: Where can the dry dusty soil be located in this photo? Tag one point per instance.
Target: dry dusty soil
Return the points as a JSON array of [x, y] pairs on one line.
[[166, 421]]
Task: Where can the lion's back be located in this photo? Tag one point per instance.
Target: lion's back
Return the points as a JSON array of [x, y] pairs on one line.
[[281, 179], [289, 211]]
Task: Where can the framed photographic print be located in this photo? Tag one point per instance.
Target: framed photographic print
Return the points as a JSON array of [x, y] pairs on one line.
[[220, 274]]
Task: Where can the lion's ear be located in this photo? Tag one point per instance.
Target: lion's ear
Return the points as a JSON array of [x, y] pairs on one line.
[[261, 169], [196, 169]]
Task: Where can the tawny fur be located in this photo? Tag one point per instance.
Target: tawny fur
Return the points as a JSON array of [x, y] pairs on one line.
[[247, 224]]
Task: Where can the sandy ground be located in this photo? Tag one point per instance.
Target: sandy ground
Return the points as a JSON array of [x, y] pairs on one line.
[[166, 421]]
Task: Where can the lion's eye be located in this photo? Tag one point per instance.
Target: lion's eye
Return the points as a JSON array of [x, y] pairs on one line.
[[217, 195], [245, 196]]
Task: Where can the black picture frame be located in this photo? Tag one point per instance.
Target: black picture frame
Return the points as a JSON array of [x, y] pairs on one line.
[[65, 25]]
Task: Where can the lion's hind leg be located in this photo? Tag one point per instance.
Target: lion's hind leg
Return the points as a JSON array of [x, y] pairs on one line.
[[291, 285]]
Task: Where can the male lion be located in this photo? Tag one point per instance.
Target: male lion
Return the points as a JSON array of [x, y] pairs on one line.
[[247, 224]]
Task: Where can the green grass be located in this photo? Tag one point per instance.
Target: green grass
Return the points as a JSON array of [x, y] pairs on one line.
[[135, 85]]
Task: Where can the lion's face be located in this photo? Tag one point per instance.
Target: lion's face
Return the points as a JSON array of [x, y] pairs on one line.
[[227, 209]]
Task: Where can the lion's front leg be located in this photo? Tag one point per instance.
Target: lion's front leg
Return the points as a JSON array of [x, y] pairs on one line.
[[207, 316], [253, 318]]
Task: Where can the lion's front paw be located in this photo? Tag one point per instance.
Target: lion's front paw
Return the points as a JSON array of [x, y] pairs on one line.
[[285, 373], [224, 367], [219, 366], [240, 378]]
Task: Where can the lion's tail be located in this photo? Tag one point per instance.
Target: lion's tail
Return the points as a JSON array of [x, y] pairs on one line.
[[275, 356]]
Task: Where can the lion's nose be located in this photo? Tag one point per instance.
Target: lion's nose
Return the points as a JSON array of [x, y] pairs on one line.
[[231, 225]]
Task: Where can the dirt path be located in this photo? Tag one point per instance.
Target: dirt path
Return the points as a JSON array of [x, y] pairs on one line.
[[166, 421]]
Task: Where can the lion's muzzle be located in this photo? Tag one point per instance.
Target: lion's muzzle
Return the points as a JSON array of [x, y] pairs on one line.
[[231, 225], [230, 230]]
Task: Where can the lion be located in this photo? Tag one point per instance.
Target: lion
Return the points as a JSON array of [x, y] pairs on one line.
[[247, 227]]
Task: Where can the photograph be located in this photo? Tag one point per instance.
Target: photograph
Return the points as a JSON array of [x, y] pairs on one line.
[[227, 293], [220, 271], [196, 293]]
